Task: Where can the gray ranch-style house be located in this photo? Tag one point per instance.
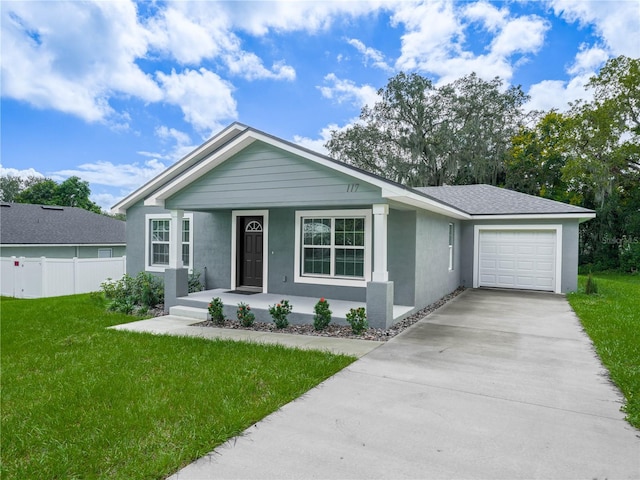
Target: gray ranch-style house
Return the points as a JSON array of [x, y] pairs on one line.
[[256, 212]]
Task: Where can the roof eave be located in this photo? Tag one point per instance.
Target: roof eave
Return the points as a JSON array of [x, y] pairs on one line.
[[581, 216]]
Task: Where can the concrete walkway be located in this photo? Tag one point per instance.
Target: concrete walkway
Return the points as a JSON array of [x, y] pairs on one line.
[[182, 326], [494, 385]]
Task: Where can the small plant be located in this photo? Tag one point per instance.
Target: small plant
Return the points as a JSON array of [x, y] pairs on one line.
[[195, 285], [279, 313], [322, 318], [591, 287], [245, 315], [130, 295], [357, 318], [216, 308]]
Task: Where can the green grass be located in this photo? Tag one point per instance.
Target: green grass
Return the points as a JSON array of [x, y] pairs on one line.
[[81, 401], [612, 319]]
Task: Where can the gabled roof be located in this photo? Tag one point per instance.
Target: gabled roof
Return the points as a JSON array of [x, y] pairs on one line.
[[462, 202], [489, 200], [25, 224]]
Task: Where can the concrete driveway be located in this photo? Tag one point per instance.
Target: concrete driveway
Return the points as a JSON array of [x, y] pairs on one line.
[[495, 384]]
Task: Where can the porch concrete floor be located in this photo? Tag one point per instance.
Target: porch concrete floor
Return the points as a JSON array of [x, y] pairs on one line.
[[303, 305]]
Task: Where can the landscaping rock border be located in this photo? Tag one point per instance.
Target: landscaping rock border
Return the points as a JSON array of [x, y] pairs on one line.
[[341, 331]]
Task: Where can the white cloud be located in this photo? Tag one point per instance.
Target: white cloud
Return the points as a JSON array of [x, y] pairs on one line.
[[249, 66], [22, 173], [616, 22], [51, 61], [520, 35], [432, 34], [205, 99], [260, 18], [347, 91], [106, 200], [487, 14], [180, 138], [588, 60], [190, 33], [435, 39], [556, 94], [370, 55], [126, 176], [317, 145]]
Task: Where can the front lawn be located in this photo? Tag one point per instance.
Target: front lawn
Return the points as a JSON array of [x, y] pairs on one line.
[[612, 319], [81, 401]]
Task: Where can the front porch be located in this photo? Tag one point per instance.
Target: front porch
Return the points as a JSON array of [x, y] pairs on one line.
[[302, 312]]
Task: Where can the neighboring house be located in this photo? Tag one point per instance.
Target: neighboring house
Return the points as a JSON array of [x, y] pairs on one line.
[[58, 232], [258, 212], [47, 251]]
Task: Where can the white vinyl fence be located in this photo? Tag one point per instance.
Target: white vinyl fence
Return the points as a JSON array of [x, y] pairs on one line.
[[51, 277]]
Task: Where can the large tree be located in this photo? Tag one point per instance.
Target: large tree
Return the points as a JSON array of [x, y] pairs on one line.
[[590, 156], [72, 192], [419, 135]]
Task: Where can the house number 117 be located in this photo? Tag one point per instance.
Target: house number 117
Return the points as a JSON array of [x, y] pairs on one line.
[[352, 187]]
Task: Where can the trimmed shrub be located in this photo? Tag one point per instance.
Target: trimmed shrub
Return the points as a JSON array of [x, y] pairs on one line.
[[216, 308], [357, 318], [322, 317], [245, 315], [279, 313]]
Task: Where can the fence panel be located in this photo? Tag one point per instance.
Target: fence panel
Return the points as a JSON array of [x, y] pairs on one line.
[[93, 271], [51, 277], [58, 277], [8, 277]]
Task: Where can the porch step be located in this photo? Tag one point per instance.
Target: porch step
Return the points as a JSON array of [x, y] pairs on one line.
[[189, 312]]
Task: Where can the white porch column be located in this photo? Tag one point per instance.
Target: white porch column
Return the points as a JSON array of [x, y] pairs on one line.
[[175, 239], [380, 213]]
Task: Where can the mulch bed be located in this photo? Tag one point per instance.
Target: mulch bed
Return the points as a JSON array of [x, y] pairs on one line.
[[340, 331]]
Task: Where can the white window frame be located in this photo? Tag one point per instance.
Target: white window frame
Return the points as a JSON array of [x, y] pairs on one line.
[[452, 241], [147, 240], [326, 279], [107, 251]]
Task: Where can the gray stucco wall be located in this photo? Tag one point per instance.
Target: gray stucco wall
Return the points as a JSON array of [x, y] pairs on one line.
[[433, 279], [401, 256], [211, 244], [82, 251], [569, 280]]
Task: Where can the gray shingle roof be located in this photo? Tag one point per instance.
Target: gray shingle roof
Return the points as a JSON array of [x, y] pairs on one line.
[[22, 223], [490, 200]]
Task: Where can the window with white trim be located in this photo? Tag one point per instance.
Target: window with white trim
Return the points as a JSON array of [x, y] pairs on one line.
[[158, 230], [333, 247], [186, 242], [451, 240], [105, 253], [160, 242]]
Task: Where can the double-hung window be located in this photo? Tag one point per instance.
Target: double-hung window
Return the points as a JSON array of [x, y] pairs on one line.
[[333, 247], [158, 228]]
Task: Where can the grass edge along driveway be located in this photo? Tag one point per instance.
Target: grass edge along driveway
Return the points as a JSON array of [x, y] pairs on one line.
[[611, 318], [81, 401]]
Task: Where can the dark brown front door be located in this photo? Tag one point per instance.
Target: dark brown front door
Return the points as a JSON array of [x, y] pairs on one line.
[[250, 249]]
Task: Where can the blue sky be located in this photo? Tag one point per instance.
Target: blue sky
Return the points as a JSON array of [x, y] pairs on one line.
[[116, 91]]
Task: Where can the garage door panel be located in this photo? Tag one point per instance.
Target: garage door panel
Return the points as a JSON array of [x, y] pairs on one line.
[[517, 259]]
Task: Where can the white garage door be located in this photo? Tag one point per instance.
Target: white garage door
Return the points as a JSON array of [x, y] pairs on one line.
[[524, 259]]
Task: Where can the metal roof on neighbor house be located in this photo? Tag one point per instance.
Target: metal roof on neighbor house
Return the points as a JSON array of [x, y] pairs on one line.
[[26, 224], [489, 200]]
